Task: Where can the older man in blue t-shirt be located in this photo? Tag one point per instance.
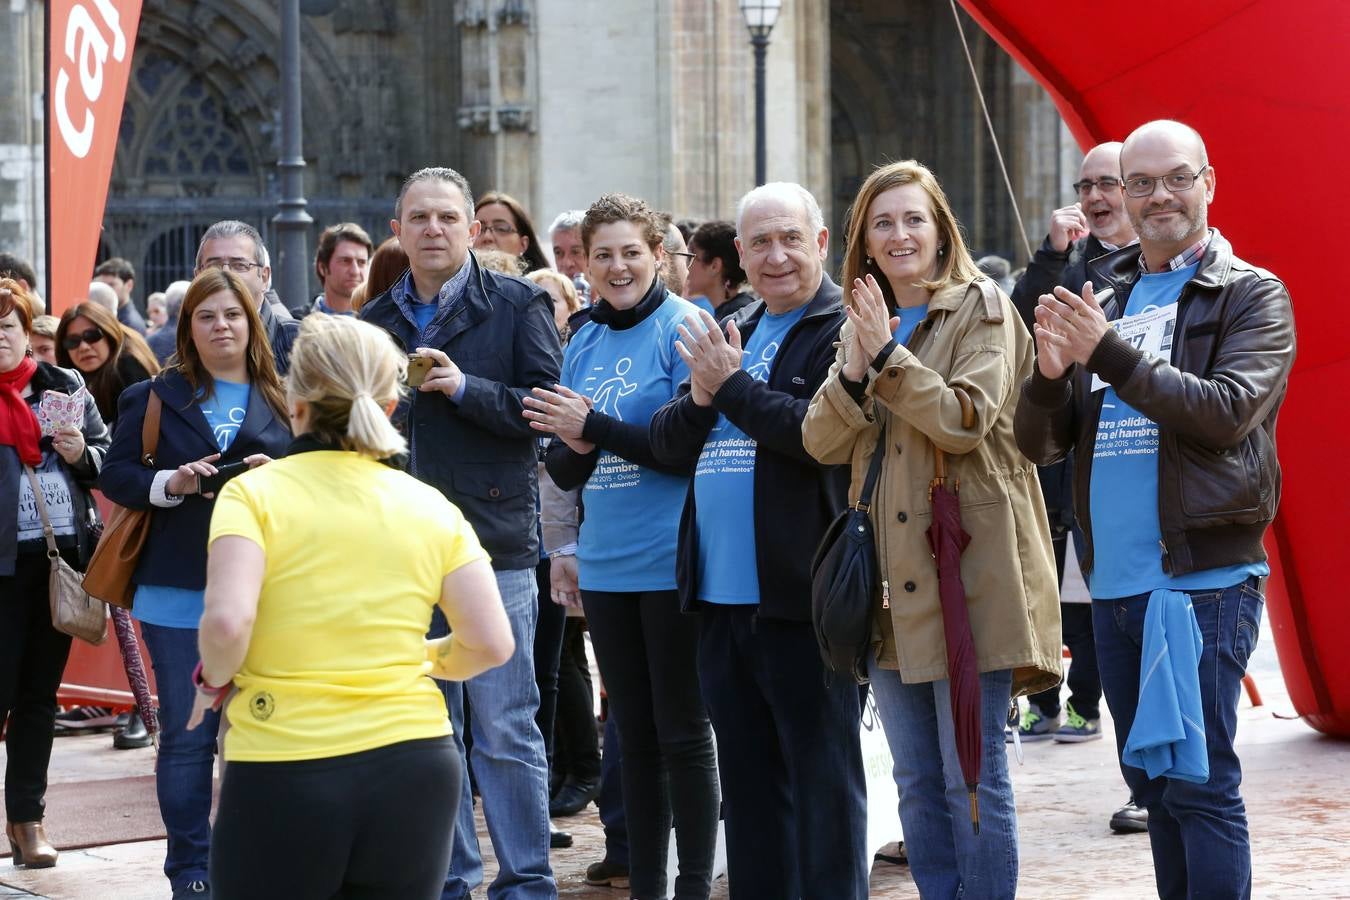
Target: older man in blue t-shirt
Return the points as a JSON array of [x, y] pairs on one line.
[[1167, 392], [788, 749]]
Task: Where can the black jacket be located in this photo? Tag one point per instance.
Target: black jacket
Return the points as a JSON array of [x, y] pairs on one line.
[[1215, 402], [1049, 269], [795, 497], [733, 305], [175, 551], [281, 334], [482, 453], [79, 476]]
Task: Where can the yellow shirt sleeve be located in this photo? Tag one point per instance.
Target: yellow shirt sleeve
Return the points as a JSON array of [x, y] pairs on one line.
[[459, 542], [237, 513]]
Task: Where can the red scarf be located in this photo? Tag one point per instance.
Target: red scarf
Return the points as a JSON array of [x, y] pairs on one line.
[[18, 425]]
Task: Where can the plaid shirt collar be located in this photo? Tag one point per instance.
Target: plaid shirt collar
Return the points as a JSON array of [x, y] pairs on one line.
[[1188, 257]]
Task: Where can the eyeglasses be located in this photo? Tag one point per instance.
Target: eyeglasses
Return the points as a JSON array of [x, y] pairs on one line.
[[501, 228], [1104, 184], [1176, 183], [237, 266], [90, 337], [689, 257]]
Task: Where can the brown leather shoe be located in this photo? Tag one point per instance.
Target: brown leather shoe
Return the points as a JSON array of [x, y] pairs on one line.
[[28, 841]]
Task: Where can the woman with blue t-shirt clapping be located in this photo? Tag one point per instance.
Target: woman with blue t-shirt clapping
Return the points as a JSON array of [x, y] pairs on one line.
[[221, 403], [617, 371]]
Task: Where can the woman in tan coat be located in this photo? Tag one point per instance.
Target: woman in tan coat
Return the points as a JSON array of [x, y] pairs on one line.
[[934, 353]]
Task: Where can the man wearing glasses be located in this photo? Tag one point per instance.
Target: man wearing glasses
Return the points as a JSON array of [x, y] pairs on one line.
[[1082, 231], [1168, 390], [239, 247]]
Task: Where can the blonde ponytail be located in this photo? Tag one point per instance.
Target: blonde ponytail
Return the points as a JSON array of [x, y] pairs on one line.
[[348, 372]]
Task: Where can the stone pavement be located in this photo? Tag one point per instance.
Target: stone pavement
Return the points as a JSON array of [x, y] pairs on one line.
[[1297, 787]]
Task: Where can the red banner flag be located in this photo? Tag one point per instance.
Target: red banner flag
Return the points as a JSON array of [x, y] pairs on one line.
[[89, 44]]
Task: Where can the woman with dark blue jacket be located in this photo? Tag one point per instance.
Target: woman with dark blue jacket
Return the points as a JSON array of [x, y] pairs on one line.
[[222, 403]]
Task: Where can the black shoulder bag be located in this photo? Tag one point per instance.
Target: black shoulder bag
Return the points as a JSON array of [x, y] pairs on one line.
[[844, 580]]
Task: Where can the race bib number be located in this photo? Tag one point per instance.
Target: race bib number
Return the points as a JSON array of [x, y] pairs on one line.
[[1150, 331]]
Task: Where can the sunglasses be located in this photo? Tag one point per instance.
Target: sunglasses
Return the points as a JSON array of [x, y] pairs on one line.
[[90, 337]]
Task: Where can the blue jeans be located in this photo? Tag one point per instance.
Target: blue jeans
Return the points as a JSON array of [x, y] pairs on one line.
[[1198, 831], [508, 761], [183, 771], [610, 801], [946, 857]]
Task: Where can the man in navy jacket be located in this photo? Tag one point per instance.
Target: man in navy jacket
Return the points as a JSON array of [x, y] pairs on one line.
[[788, 744], [491, 338]]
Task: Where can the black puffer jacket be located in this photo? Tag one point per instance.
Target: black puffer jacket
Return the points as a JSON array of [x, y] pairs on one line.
[[1215, 402]]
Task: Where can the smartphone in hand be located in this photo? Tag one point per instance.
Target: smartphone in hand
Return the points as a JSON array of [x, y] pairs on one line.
[[418, 367], [211, 484]]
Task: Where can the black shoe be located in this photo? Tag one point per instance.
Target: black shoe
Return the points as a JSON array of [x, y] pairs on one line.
[[574, 796], [1130, 819], [193, 890], [558, 840], [134, 736], [607, 874], [556, 780]]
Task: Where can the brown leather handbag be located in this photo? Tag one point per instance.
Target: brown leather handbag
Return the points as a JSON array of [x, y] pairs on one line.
[[108, 576], [74, 612]]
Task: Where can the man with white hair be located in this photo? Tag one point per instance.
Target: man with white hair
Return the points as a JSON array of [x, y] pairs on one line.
[[788, 746], [165, 341], [103, 295]]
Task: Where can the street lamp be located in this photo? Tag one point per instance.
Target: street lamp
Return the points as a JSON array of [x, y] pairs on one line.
[[292, 221], [760, 17]]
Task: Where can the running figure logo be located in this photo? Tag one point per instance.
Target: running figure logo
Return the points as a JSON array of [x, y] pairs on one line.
[[607, 396], [759, 369]]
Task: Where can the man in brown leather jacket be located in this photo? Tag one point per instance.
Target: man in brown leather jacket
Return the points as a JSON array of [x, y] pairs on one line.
[[1165, 377]]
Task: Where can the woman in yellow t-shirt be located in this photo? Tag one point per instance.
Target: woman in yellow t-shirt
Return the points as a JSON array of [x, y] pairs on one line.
[[324, 567]]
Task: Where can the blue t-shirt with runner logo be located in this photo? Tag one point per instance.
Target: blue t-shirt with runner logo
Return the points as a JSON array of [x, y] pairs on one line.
[[628, 536], [174, 607], [724, 484], [225, 410], [1126, 534]]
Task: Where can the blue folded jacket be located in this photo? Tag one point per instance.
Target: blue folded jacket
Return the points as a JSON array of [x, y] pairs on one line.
[[1168, 735]]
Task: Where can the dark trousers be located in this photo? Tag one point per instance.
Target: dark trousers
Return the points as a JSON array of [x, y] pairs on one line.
[[793, 787], [1084, 680], [1198, 832], [610, 801], [372, 825], [32, 658], [548, 639], [576, 747], [647, 651]]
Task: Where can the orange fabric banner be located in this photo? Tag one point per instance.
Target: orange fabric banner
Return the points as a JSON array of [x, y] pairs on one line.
[[89, 44]]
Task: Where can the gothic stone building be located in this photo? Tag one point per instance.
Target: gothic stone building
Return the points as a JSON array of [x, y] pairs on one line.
[[553, 101]]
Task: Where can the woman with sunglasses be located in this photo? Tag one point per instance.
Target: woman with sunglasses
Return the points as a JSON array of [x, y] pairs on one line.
[[504, 225], [221, 405], [32, 652], [111, 356]]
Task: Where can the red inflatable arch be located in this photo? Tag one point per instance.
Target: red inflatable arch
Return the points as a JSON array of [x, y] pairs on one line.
[[1267, 84]]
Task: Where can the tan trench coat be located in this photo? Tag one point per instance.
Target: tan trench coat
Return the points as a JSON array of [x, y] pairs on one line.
[[971, 338]]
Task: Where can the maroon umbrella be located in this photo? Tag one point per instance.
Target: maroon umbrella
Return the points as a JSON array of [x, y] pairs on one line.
[[135, 668], [947, 539]]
